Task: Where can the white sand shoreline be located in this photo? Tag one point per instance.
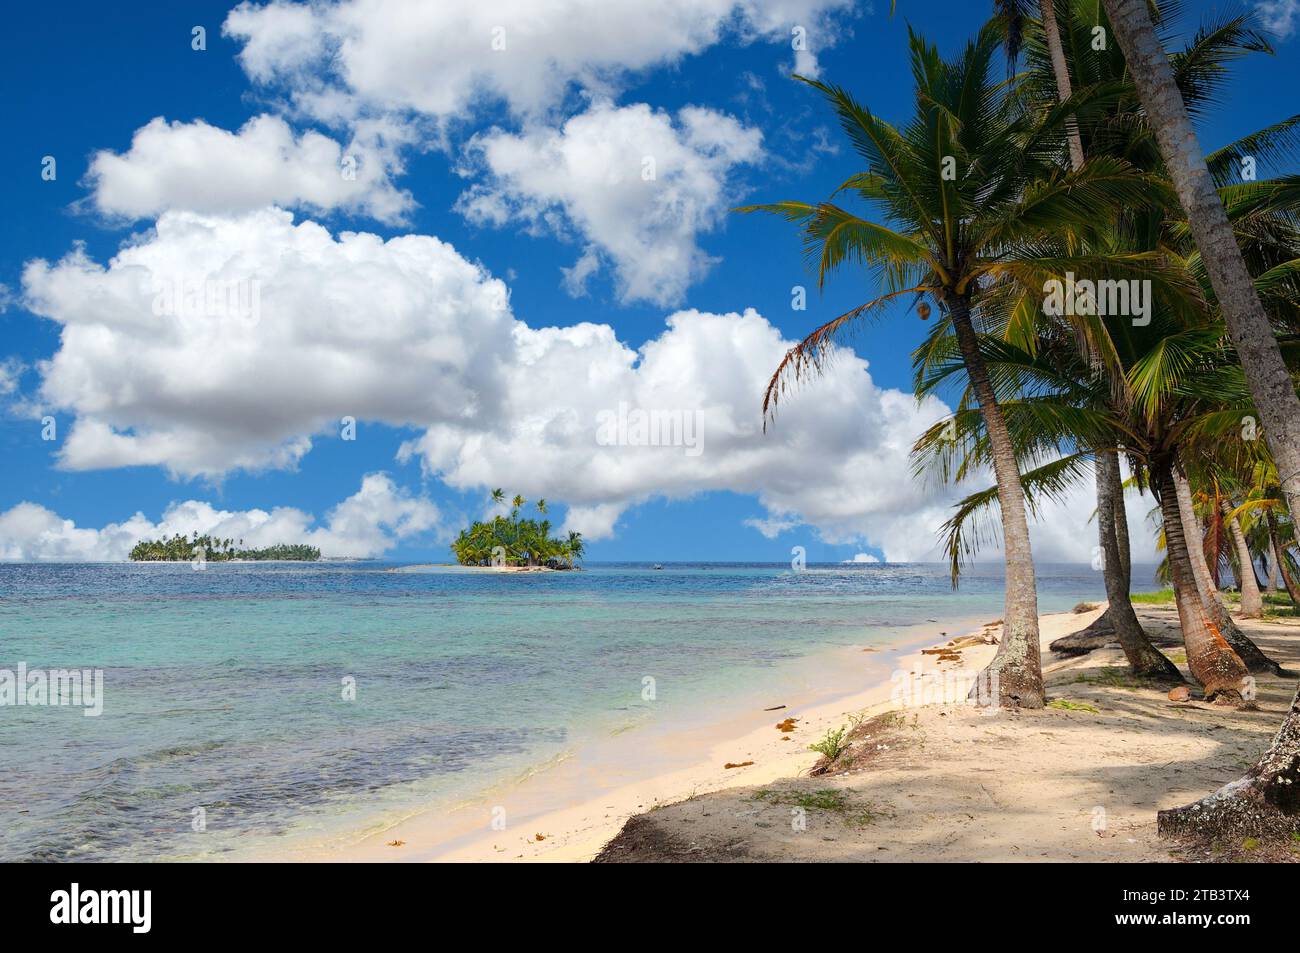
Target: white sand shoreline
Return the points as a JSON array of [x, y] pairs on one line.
[[582, 801]]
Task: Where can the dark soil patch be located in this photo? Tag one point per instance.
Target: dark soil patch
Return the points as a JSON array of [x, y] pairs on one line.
[[643, 841]]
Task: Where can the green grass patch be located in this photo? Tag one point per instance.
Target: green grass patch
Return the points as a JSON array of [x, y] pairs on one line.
[[827, 799], [1064, 704], [831, 800], [864, 818], [1163, 597], [1276, 606]]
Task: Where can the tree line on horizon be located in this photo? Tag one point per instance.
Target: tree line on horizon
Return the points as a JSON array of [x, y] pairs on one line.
[[182, 548], [1056, 151]]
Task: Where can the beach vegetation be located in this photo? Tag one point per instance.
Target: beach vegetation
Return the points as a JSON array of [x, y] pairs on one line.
[[831, 746], [512, 539], [1158, 598], [182, 548], [1065, 704], [824, 799]]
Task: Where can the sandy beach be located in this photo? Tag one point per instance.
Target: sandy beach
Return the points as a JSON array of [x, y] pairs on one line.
[[1080, 780]]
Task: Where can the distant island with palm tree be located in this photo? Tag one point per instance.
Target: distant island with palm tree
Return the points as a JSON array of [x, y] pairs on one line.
[[516, 542], [182, 548]]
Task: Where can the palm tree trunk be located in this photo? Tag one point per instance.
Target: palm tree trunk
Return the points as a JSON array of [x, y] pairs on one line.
[[1248, 325], [1256, 661], [1121, 524], [1213, 662], [1279, 555], [1144, 658], [1193, 535], [1016, 670], [1252, 603], [1235, 568], [1052, 31], [1271, 590]]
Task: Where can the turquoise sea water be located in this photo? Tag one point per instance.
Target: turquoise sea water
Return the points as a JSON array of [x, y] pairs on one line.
[[224, 689]]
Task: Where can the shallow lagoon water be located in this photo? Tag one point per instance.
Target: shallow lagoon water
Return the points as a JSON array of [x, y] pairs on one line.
[[225, 690]]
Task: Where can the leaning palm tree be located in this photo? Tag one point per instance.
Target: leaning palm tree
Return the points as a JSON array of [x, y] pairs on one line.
[[1270, 382], [1204, 572], [1180, 383], [973, 197], [1267, 799]]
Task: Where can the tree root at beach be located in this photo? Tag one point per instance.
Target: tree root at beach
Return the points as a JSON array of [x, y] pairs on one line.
[[1146, 661], [1257, 663], [1266, 802], [1098, 635], [1101, 633]]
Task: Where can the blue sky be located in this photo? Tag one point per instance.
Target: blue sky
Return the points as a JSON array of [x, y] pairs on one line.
[[85, 78]]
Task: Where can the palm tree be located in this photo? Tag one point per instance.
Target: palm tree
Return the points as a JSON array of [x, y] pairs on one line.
[[1144, 659], [973, 197], [525, 542], [1177, 386], [1252, 600], [1206, 584], [1272, 239], [1282, 558], [573, 546], [1248, 324], [1262, 505], [1112, 518], [1015, 13]]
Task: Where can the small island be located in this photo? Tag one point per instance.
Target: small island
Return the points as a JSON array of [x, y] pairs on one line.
[[182, 548], [514, 542]]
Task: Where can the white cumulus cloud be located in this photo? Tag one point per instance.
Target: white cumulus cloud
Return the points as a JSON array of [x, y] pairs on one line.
[[203, 168], [339, 60], [634, 184], [401, 331]]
